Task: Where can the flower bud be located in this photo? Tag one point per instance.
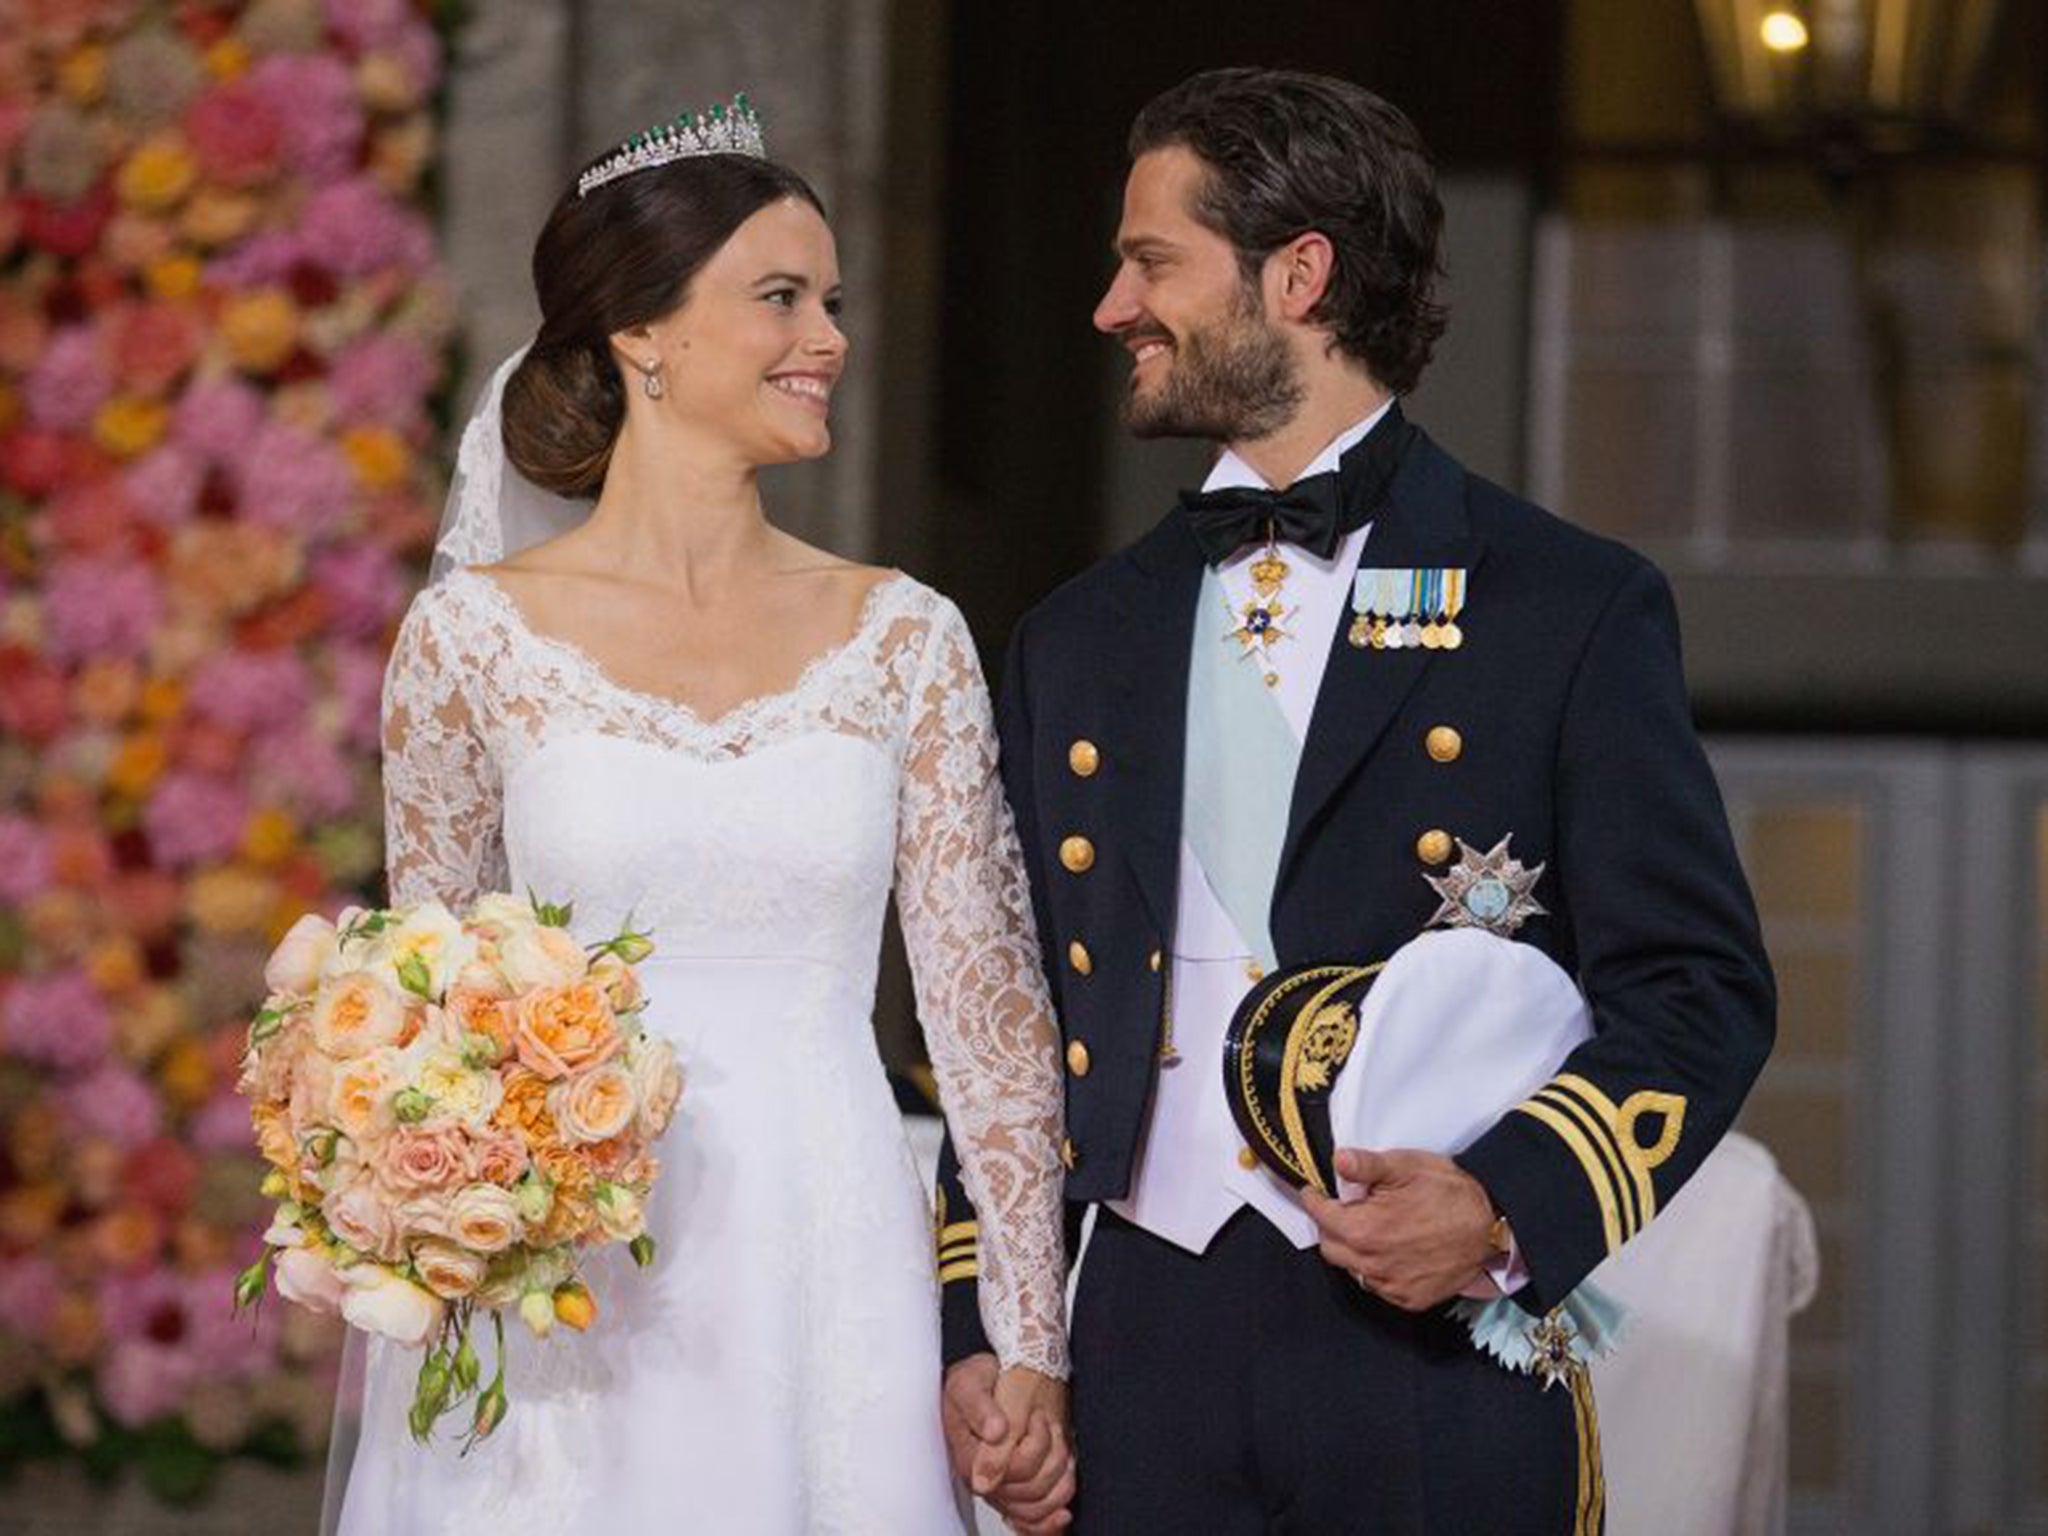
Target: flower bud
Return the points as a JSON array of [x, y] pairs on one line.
[[317, 1148], [575, 1306], [490, 1409], [467, 1367], [409, 1106], [480, 1051], [537, 1311], [642, 1249], [249, 1283], [275, 1185], [535, 1197]]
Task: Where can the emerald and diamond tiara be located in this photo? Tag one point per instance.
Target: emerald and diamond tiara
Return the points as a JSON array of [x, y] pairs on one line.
[[733, 130]]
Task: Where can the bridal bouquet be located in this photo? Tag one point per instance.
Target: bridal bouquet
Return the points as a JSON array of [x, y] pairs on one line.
[[454, 1110]]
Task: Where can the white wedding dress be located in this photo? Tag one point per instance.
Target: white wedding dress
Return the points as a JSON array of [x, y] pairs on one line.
[[776, 1370]]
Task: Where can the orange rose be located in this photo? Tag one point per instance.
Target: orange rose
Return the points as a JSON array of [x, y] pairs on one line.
[[525, 1108], [479, 1013], [274, 1136], [562, 1030]]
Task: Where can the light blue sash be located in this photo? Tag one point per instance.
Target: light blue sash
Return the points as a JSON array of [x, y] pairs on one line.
[[1241, 760]]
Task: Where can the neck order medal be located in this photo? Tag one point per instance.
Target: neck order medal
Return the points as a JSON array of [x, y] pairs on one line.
[[1258, 621]]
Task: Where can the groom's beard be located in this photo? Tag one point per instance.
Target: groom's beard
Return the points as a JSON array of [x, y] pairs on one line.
[[1232, 382]]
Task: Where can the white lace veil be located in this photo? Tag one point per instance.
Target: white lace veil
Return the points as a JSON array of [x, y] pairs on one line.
[[492, 510]]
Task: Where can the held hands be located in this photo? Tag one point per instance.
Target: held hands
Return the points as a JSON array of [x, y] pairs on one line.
[[1416, 1237], [1008, 1437]]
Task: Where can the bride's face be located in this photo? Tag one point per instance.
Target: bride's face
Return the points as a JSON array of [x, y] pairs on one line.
[[753, 354]]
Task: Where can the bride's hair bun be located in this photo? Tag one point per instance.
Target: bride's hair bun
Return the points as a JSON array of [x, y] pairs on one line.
[[620, 257]]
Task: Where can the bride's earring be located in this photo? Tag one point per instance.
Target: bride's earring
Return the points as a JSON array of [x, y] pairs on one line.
[[650, 379]]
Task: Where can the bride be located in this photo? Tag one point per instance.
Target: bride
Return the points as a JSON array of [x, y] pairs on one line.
[[666, 707]]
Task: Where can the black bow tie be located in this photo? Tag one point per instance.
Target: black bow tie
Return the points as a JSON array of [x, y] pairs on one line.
[[1312, 514]]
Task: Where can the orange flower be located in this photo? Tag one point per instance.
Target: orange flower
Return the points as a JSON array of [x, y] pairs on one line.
[[575, 1306], [34, 1140], [107, 689], [378, 456], [261, 329], [479, 1013], [231, 900], [127, 426], [163, 698], [228, 58], [564, 1029], [127, 1238], [137, 764], [274, 1136], [525, 1108], [187, 1074], [115, 965], [217, 217], [74, 1333], [159, 174], [270, 837], [175, 276], [82, 73]]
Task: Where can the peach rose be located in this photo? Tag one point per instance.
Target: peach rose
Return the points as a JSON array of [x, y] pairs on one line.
[[356, 1014], [479, 1012], [294, 966], [594, 1105], [312, 1086], [657, 1085], [361, 1216], [561, 1030], [359, 1102], [423, 1157], [524, 1108], [485, 1217], [274, 1137], [496, 1157], [620, 1212], [449, 1270], [620, 981]]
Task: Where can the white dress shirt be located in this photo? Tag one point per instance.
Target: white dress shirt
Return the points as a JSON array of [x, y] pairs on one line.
[[1189, 1180]]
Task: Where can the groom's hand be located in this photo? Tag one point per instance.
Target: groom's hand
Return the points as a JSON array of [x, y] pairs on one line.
[[1416, 1237], [1006, 1436], [977, 1430]]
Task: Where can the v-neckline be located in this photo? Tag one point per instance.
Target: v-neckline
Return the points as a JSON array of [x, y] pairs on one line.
[[870, 603]]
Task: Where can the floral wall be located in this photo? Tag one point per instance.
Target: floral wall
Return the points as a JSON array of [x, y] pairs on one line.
[[222, 328]]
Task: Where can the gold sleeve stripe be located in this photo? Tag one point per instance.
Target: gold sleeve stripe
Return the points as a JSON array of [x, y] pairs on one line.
[[952, 1232], [1569, 1133], [964, 1251], [965, 1269], [1591, 1515], [1622, 1120], [1601, 1129]]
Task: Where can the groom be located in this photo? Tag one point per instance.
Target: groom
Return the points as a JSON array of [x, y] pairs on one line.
[[1450, 684]]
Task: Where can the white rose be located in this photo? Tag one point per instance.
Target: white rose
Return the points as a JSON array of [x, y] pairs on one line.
[[377, 1301], [356, 1014], [485, 1218], [458, 1092], [657, 1084], [534, 955], [430, 947], [619, 1212], [301, 955], [309, 1279]]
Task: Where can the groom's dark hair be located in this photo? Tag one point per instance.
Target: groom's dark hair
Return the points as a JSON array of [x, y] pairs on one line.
[[1287, 153]]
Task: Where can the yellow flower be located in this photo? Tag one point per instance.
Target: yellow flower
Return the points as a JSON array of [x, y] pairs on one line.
[[231, 899], [261, 329], [187, 1073], [228, 58], [82, 73], [385, 84], [126, 425], [137, 764], [270, 837], [159, 174], [378, 456], [175, 276], [575, 1306], [115, 964], [217, 217]]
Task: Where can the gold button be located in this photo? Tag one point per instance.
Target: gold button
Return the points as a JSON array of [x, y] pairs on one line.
[[1443, 744], [1154, 960], [1070, 1155], [1078, 854], [1434, 846], [1253, 971], [1083, 758], [1079, 958], [1077, 1058], [1247, 1159]]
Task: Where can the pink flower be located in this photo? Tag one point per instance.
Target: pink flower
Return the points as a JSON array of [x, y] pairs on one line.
[[29, 1290], [229, 1347], [140, 1380], [222, 1124], [55, 1020], [423, 1158], [363, 586], [357, 674], [261, 260], [252, 690], [24, 860], [380, 379], [114, 1104], [235, 133], [305, 771], [314, 97], [352, 228], [294, 480], [154, 344], [70, 382], [217, 418], [164, 484], [360, 1215], [93, 516], [99, 607], [193, 818]]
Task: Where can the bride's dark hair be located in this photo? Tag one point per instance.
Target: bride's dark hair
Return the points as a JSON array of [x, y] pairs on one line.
[[621, 257]]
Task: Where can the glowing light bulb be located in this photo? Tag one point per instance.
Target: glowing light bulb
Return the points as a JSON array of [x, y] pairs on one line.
[[1783, 32]]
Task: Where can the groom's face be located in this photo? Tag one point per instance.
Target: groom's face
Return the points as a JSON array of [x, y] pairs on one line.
[[1205, 359]]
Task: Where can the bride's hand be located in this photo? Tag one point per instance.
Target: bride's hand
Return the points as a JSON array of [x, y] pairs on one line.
[[1037, 1481]]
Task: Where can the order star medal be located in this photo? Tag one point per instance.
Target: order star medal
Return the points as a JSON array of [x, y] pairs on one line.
[[1258, 621], [1489, 890]]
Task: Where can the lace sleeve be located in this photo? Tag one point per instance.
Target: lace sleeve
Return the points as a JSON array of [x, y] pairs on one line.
[[442, 834], [981, 996]]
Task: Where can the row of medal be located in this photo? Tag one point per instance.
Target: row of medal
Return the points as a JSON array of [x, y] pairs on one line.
[[1398, 609]]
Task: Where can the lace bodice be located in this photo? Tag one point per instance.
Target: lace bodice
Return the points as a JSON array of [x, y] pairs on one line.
[[773, 831]]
